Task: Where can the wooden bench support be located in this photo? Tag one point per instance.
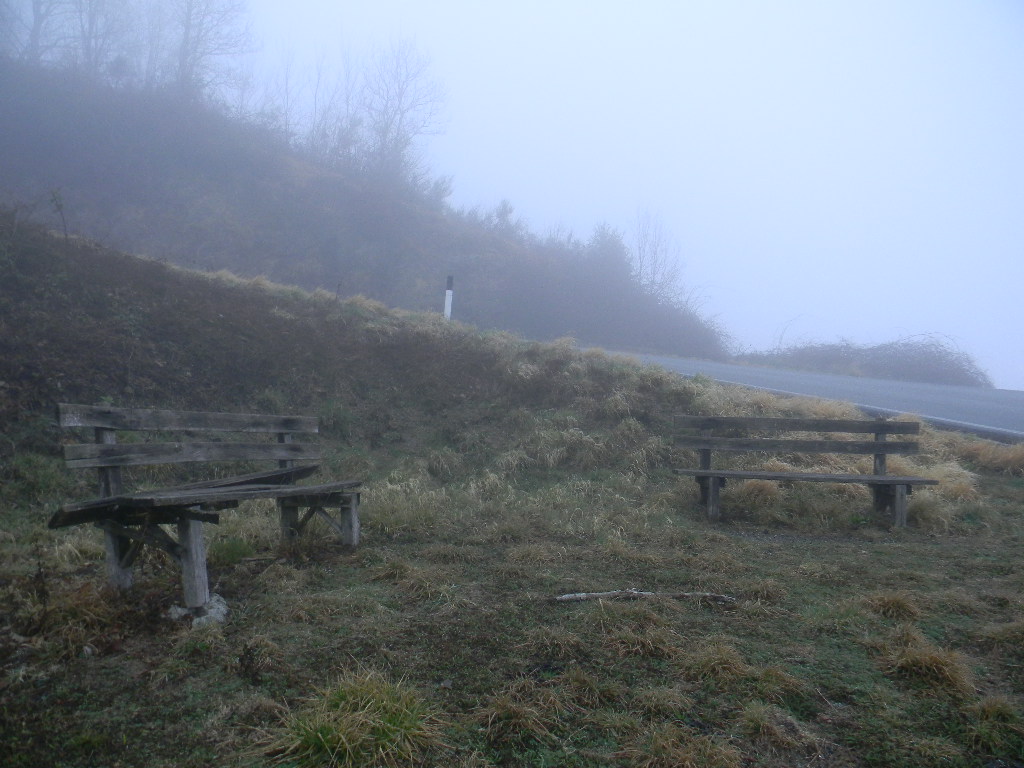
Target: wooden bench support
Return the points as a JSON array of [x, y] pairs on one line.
[[149, 533], [290, 527], [712, 490], [346, 524], [117, 548], [899, 505], [194, 578]]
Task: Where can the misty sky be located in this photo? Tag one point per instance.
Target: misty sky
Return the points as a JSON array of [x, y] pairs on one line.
[[831, 170]]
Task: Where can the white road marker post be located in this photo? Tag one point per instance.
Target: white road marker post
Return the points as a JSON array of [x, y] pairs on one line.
[[448, 298]]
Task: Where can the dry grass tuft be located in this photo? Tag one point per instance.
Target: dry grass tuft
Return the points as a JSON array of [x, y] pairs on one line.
[[717, 662], [557, 643], [524, 711], [64, 620], [532, 553], [984, 455], [674, 746], [77, 547], [650, 642], [765, 591], [281, 577], [256, 657], [661, 702], [928, 510], [892, 604], [997, 726], [418, 582], [1006, 637], [909, 655], [755, 493], [589, 691], [776, 685], [621, 551], [363, 719], [191, 649], [404, 504], [444, 464], [771, 728]]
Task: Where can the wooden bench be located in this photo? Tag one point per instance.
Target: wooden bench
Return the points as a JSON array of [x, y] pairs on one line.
[[132, 520], [708, 434]]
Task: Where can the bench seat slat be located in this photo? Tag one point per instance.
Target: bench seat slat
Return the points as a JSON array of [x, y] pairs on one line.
[[795, 446], [270, 477], [105, 417], [86, 455], [820, 477], [328, 494], [783, 424], [200, 496]]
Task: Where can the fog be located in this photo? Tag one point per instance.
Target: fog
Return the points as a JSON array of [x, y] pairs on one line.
[[842, 170]]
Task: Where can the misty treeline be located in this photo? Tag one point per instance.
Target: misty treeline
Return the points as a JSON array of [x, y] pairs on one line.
[[139, 123], [362, 114], [193, 182], [149, 43], [921, 358]]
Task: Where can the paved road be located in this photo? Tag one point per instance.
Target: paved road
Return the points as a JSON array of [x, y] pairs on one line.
[[995, 413]]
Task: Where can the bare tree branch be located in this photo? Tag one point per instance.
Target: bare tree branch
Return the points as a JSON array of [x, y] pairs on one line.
[[205, 31], [401, 104], [656, 262]]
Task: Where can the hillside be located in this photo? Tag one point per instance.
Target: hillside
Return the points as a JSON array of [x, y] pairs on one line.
[[499, 473], [182, 181], [195, 184]]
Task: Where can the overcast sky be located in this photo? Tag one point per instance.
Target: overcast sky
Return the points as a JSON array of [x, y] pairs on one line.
[[831, 170]]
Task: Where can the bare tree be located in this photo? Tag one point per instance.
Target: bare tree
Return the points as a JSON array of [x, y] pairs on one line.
[[402, 104], [204, 32], [99, 31], [336, 121], [656, 265], [8, 28], [42, 24]]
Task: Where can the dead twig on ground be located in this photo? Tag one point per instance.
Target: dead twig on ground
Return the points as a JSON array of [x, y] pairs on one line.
[[636, 594]]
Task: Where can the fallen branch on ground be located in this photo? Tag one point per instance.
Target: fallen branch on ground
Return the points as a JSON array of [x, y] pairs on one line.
[[635, 594]]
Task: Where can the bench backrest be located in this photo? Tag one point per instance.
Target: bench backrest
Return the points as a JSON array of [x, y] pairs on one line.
[[879, 446], [108, 456]]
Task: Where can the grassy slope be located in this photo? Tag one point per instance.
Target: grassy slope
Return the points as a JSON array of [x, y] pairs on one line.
[[499, 474]]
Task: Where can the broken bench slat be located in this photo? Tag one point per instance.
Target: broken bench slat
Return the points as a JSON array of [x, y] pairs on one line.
[[280, 476]]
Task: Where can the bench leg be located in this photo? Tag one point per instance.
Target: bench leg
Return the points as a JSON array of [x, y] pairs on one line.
[[714, 503], [289, 521], [702, 483], [194, 578], [883, 496], [350, 521], [120, 576], [346, 525], [899, 505]]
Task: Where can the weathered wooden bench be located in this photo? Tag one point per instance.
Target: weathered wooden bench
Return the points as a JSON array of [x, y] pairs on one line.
[[132, 520], [707, 434]]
